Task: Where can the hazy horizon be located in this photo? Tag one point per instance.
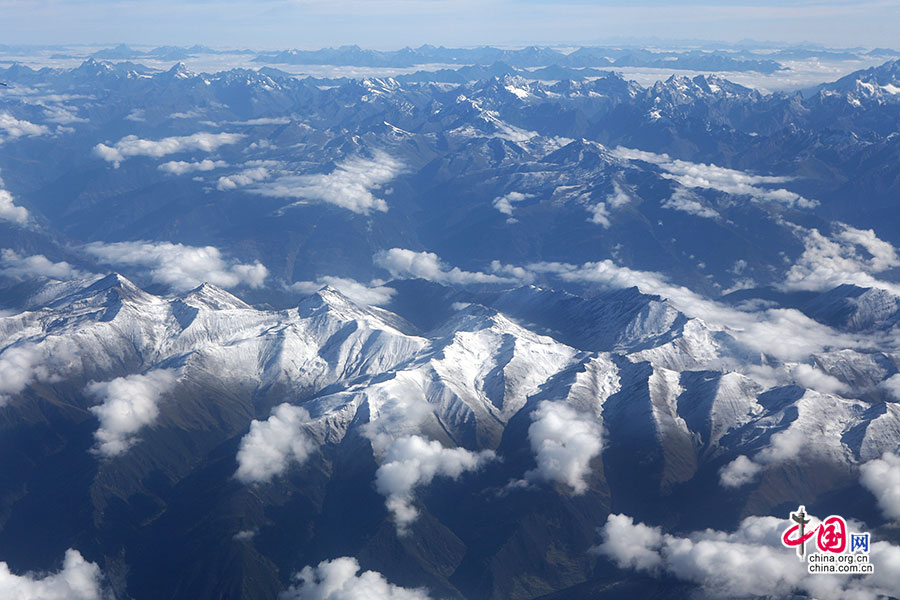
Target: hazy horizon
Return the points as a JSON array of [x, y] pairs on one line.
[[392, 24]]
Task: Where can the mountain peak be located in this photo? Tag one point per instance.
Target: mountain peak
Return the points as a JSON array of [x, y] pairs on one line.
[[112, 290], [179, 70], [210, 296]]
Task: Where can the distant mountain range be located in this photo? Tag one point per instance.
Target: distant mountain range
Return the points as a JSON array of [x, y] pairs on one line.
[[586, 57]]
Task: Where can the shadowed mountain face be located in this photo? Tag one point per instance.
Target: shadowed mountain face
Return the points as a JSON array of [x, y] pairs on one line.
[[471, 335]]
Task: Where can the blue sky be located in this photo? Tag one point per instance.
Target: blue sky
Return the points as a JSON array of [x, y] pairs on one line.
[[395, 23]]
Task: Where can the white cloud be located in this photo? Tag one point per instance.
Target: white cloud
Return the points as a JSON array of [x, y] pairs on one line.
[[12, 127], [9, 211], [882, 477], [412, 461], [78, 580], [340, 579], [244, 535], [748, 563], [892, 386], [599, 214], [263, 121], [245, 177], [814, 379], [180, 167], [563, 441], [504, 204], [512, 272], [134, 146], [407, 264], [738, 472], [191, 114], [786, 334], [619, 197], [19, 366], [687, 201], [631, 545], [783, 446], [178, 266], [273, 445], [62, 114], [128, 404], [349, 185], [850, 256], [36, 266], [361, 293], [737, 183], [136, 115]]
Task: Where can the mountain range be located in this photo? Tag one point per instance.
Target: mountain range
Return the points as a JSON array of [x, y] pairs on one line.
[[473, 336]]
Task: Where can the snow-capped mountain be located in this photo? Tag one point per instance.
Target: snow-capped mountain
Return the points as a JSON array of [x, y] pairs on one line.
[[152, 401]]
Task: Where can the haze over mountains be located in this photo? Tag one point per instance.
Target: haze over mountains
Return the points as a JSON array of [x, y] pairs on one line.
[[464, 333]]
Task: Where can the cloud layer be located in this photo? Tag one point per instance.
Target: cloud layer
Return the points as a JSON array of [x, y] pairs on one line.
[[177, 266], [273, 445], [849, 256], [350, 185], [128, 404], [785, 334], [78, 580], [712, 177], [35, 266], [411, 462], [340, 579], [12, 127], [132, 145]]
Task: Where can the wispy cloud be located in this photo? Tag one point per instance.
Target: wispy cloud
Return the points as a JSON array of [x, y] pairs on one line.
[[849, 256], [686, 201], [712, 177]]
